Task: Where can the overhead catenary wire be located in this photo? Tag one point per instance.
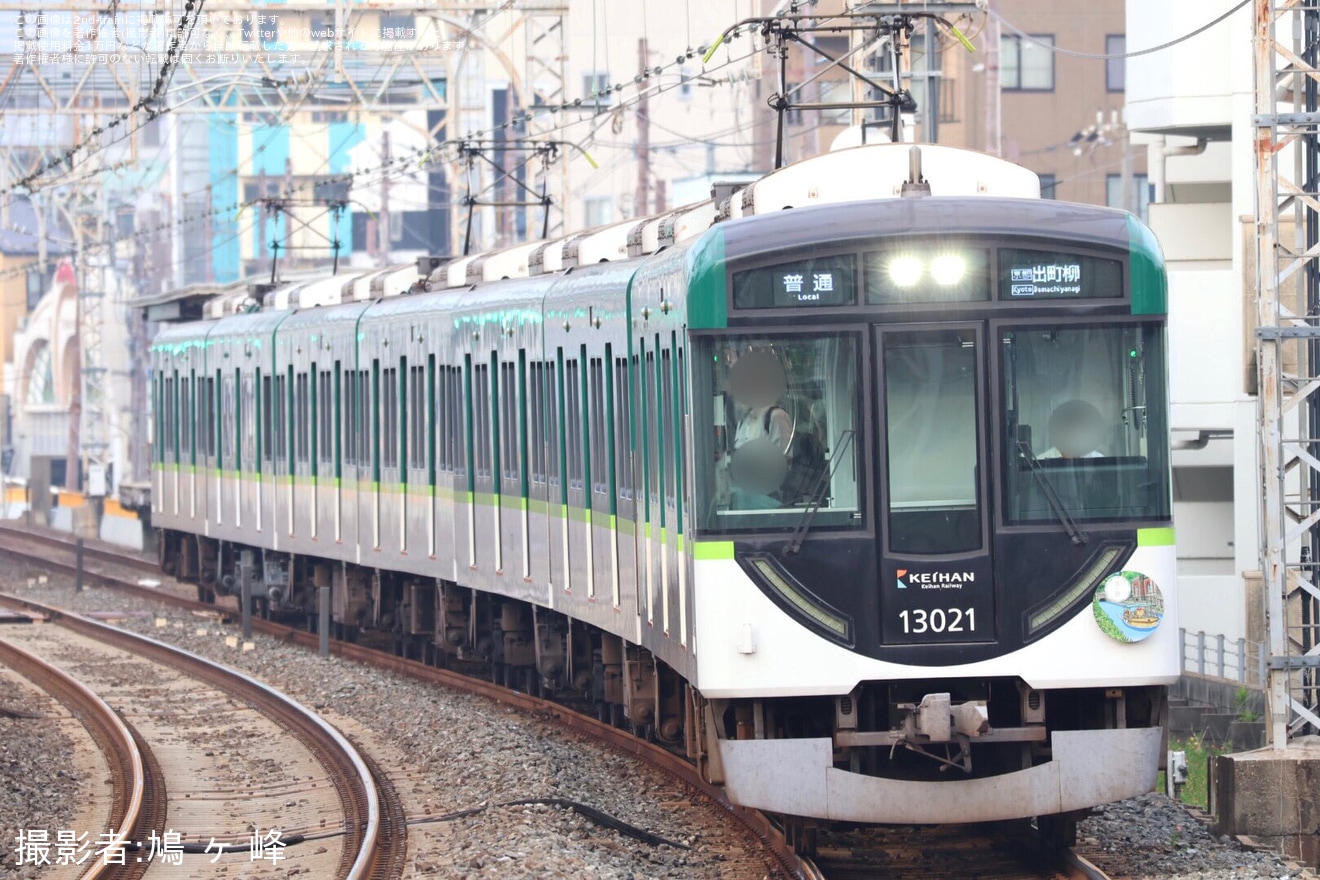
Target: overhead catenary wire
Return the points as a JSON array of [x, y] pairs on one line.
[[1109, 56]]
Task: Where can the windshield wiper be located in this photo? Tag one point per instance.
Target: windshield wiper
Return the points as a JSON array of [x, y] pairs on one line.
[[1075, 533], [817, 496]]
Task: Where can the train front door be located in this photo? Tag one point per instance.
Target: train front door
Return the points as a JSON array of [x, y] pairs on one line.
[[936, 576]]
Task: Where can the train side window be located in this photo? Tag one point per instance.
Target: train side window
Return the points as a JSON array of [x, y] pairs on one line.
[[596, 423], [325, 398], [168, 417], [226, 421], [248, 421], [523, 462], [510, 421], [376, 407], [668, 421], [339, 420], [481, 419], [349, 426], [186, 413], [573, 422], [457, 424], [444, 418], [557, 447], [213, 417], [281, 450], [390, 416], [649, 416], [680, 443], [469, 430], [417, 410], [313, 418], [300, 413], [536, 418], [267, 415], [365, 420], [609, 439], [623, 436], [431, 427]]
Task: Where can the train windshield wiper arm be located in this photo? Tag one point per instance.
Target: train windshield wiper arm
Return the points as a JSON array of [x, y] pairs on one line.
[[818, 493], [1075, 533]]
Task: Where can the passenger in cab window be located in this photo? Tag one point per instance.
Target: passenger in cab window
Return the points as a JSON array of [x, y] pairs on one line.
[[1077, 430]]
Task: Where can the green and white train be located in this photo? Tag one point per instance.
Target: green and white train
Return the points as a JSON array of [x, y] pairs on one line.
[[855, 484]]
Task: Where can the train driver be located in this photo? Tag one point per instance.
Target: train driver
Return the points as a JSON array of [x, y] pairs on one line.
[[759, 461], [1077, 430]]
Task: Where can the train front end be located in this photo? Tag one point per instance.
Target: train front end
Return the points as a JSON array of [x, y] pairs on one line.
[[933, 555]]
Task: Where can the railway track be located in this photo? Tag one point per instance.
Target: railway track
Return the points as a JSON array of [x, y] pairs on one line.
[[135, 795], [374, 837]]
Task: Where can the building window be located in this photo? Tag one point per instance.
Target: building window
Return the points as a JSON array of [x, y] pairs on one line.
[[595, 90], [398, 27], [836, 92], [1049, 186], [1026, 66], [1115, 68], [1141, 194], [599, 211]]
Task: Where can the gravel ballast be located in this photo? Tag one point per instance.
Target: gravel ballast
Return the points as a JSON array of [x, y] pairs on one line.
[[449, 752]]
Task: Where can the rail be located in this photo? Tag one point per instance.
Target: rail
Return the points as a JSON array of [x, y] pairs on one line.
[[355, 783], [112, 736]]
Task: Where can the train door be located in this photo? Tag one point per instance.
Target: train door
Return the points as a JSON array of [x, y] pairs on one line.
[[581, 566], [418, 413], [600, 460], [512, 422], [619, 391], [326, 481], [649, 431], [561, 569], [449, 442], [540, 402], [935, 562]]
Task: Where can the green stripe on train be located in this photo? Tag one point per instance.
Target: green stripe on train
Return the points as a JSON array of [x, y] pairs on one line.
[[1155, 538]]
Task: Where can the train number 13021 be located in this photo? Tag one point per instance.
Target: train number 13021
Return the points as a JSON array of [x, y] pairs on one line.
[[938, 620]]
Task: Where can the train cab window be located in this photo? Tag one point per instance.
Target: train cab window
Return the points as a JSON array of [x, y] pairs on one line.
[[1085, 424], [776, 434], [930, 417]]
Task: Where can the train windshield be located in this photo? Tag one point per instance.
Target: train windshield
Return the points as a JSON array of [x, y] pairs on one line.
[[1085, 421], [777, 433]]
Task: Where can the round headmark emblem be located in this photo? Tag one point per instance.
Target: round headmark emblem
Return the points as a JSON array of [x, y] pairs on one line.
[[1128, 606]]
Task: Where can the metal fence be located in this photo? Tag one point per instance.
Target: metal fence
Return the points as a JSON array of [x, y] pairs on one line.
[[1216, 655]]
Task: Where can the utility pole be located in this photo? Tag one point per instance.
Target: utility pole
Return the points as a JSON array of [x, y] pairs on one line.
[[383, 229], [993, 93], [1288, 333], [642, 199]]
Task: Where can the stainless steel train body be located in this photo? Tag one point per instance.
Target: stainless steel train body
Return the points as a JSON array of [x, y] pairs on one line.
[[932, 609]]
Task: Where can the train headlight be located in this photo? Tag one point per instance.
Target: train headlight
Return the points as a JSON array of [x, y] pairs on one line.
[[948, 269], [905, 271]]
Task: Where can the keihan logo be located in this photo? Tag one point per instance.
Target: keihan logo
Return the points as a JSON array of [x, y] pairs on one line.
[[902, 573]]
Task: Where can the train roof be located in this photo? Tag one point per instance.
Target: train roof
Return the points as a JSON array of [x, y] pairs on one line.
[[822, 226]]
